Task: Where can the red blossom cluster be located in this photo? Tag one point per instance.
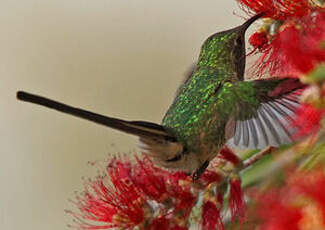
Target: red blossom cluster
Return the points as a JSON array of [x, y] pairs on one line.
[[299, 205], [143, 195], [290, 43], [211, 216], [310, 117], [277, 9], [295, 38]]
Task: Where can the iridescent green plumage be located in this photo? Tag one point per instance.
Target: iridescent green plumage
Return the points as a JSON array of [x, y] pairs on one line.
[[207, 98], [213, 107], [200, 112]]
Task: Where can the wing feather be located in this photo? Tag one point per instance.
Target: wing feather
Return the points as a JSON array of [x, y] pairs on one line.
[[271, 124]]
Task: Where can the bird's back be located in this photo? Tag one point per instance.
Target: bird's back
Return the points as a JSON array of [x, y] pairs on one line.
[[193, 117]]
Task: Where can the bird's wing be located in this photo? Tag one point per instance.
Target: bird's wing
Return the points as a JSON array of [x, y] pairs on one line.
[[264, 117]]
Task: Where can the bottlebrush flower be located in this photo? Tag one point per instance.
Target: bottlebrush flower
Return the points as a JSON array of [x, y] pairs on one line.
[[294, 49], [102, 206], [236, 200], [307, 119], [211, 209], [258, 40], [277, 9], [299, 205], [277, 213], [141, 195], [228, 155], [211, 218], [164, 223]]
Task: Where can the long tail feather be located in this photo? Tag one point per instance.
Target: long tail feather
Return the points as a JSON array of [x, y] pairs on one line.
[[139, 128]]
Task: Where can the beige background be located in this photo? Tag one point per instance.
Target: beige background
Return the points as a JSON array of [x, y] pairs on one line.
[[116, 57]]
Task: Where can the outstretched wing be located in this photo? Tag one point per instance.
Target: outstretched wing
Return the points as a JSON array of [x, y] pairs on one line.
[[268, 123]]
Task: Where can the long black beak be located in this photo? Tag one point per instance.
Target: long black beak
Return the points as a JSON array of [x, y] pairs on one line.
[[250, 21]]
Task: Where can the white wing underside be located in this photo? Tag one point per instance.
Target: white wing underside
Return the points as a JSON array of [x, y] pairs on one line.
[[272, 126]]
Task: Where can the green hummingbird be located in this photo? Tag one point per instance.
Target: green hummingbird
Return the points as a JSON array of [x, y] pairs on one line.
[[213, 107]]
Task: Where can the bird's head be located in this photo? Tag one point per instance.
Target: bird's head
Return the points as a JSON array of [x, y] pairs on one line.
[[225, 50]]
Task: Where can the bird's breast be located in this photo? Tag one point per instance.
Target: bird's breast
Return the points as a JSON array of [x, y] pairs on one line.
[[193, 118]]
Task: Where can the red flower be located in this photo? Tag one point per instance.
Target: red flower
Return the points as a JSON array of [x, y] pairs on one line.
[[151, 184], [277, 9], [210, 176], [159, 223], [299, 205], [102, 206], [258, 40], [141, 195], [302, 184], [307, 119], [228, 155], [236, 201], [164, 223], [297, 38], [211, 218], [276, 213]]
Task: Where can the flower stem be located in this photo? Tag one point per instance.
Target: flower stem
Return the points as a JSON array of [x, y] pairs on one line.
[[247, 163]]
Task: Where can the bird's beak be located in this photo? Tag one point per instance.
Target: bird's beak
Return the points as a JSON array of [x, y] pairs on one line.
[[250, 21]]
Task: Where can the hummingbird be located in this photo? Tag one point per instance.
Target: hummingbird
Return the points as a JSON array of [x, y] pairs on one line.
[[215, 106]]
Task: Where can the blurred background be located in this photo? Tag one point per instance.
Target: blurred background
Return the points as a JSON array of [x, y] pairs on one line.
[[115, 57]]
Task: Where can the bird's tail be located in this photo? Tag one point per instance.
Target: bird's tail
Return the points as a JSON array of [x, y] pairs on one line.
[[138, 128]]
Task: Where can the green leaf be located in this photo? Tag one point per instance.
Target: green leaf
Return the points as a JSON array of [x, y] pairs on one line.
[[316, 75]]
